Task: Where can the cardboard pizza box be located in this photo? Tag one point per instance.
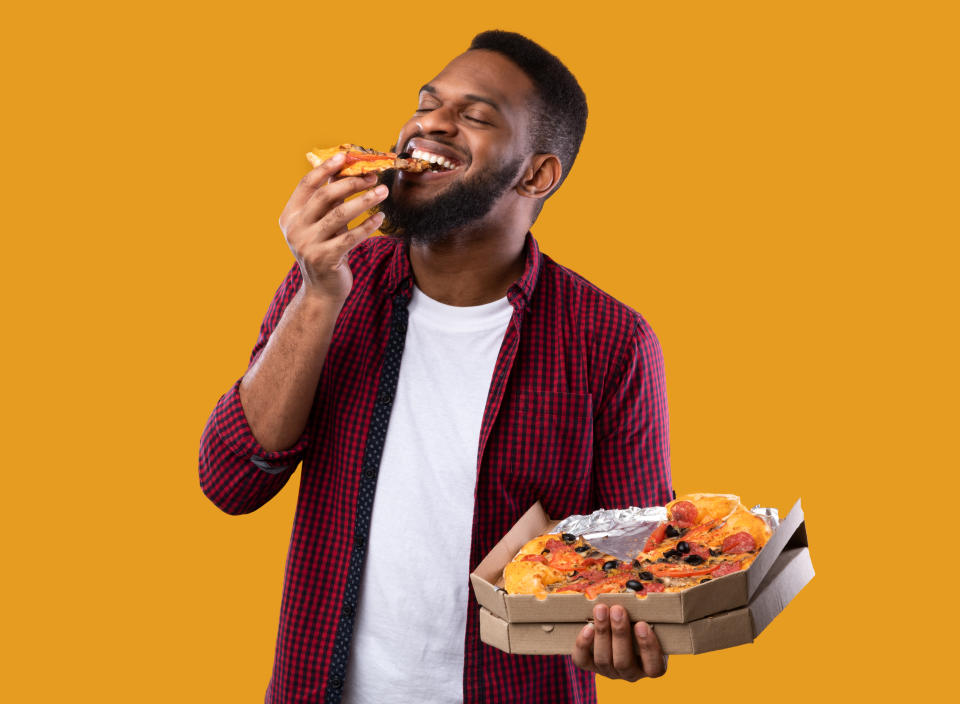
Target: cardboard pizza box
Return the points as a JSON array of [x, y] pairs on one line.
[[713, 597], [789, 574]]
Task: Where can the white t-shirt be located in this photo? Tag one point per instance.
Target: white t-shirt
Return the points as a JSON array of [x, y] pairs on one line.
[[408, 640]]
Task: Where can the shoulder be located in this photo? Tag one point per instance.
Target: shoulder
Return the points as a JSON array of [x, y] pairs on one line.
[[590, 311]]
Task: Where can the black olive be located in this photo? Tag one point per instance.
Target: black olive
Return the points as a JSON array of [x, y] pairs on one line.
[[403, 155], [611, 564], [544, 552], [593, 553], [693, 560], [705, 579], [672, 532], [572, 574], [568, 537], [658, 580], [672, 553], [645, 575], [662, 559], [636, 564], [714, 553], [582, 548], [683, 546], [635, 585]]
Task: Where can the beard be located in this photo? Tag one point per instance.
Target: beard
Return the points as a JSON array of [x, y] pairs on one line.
[[462, 203]]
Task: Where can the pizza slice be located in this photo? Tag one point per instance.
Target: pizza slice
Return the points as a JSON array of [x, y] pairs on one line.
[[705, 536], [360, 160], [567, 564]]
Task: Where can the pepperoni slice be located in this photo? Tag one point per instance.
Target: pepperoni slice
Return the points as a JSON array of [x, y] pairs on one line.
[[725, 568], [651, 587], [738, 543], [684, 511], [534, 558]]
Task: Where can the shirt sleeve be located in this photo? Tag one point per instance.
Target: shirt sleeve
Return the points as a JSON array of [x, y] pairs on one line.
[[632, 429], [236, 473]]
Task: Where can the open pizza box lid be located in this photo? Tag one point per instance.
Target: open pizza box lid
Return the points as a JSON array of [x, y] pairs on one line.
[[718, 595], [789, 574]]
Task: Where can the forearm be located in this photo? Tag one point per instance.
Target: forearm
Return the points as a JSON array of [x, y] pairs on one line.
[[277, 391]]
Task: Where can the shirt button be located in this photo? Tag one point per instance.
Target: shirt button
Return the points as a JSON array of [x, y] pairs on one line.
[[336, 682], [361, 540], [348, 611], [369, 473]]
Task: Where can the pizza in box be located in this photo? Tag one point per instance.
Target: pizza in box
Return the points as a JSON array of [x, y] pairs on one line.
[[704, 537]]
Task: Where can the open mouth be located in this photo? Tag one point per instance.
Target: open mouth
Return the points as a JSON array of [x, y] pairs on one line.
[[439, 159]]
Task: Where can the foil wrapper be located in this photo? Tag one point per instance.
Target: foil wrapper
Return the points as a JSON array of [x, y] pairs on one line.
[[622, 532]]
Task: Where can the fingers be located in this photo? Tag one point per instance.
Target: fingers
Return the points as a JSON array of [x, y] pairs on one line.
[[340, 216], [608, 647], [651, 654], [624, 659], [583, 649], [329, 195], [343, 243], [314, 179], [602, 648]]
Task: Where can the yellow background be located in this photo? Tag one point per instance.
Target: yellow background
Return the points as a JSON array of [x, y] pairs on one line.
[[787, 227]]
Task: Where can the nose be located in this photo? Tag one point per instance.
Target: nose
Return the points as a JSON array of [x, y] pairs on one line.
[[438, 121]]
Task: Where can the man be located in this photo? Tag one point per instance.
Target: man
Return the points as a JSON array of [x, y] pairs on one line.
[[435, 383]]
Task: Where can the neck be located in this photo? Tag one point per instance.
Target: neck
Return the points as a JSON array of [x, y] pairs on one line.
[[469, 269]]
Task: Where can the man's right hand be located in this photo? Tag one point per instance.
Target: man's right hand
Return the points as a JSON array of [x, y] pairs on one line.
[[314, 223]]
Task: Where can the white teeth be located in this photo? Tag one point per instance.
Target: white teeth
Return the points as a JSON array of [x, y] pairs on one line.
[[433, 158]]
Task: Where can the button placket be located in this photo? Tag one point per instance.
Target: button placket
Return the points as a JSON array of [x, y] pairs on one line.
[[376, 437]]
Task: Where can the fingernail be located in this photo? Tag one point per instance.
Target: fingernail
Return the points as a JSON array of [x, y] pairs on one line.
[[643, 630], [587, 630], [600, 613], [380, 190], [616, 615], [338, 157]]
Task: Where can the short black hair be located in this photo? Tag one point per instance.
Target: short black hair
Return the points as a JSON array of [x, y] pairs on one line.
[[560, 107]]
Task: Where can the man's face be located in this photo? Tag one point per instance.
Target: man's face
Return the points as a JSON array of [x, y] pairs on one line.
[[474, 118]]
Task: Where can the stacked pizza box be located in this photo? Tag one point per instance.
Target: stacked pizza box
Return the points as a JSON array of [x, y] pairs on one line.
[[721, 613]]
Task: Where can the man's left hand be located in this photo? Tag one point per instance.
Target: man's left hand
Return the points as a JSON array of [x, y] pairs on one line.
[[606, 647]]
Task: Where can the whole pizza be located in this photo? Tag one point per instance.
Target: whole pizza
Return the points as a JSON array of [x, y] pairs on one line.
[[705, 536]]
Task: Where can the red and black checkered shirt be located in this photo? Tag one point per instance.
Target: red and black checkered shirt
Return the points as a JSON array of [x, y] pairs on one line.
[[576, 417]]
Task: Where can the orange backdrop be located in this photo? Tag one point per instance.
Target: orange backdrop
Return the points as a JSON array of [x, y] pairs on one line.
[[785, 228]]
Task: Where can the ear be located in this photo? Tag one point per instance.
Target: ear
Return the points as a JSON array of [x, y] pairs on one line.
[[540, 177]]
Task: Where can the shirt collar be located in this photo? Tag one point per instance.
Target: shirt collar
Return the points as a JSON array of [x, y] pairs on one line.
[[400, 274]]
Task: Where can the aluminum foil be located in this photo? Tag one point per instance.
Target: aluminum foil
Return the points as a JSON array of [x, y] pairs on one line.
[[623, 532]]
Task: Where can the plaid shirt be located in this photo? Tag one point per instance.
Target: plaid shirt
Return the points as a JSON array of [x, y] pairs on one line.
[[576, 417]]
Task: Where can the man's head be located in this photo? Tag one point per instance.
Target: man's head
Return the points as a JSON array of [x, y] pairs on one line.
[[508, 118]]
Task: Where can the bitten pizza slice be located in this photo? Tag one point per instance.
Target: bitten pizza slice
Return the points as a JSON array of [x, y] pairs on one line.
[[705, 536], [360, 160]]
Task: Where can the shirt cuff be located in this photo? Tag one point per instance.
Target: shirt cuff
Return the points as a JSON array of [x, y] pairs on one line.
[[234, 430]]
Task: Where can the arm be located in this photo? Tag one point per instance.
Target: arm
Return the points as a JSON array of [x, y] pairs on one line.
[[255, 437], [631, 467]]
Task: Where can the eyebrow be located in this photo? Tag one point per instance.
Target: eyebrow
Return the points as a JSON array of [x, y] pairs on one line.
[[475, 98]]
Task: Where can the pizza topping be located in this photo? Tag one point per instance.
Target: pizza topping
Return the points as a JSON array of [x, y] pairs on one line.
[[634, 585], [568, 537], [683, 546], [672, 531], [684, 511], [693, 560], [645, 575], [725, 568], [669, 554], [738, 543], [582, 548], [611, 564]]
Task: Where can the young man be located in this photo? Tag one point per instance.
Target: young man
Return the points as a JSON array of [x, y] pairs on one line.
[[435, 383]]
